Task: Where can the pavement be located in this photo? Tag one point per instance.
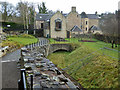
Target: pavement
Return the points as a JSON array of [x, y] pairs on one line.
[[12, 56], [10, 74]]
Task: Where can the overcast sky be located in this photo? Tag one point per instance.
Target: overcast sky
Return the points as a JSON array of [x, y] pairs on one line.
[[89, 6]]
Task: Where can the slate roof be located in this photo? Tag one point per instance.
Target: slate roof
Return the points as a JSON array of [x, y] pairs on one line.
[[76, 29], [92, 16], [49, 16], [94, 28], [43, 17], [65, 14], [83, 15]]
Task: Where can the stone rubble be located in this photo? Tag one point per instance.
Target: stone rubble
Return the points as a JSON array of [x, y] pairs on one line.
[[45, 73]]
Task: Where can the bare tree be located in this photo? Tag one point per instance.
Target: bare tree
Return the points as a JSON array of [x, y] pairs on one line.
[[22, 9], [109, 24], [26, 12], [7, 10], [31, 14]]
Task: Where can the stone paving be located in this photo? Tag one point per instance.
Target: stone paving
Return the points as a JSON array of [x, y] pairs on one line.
[[45, 73], [10, 74]]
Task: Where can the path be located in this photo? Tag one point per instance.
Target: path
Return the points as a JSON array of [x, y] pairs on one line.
[[10, 73], [8, 67]]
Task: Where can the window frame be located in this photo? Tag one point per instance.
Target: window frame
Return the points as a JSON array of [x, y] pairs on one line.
[[58, 24]]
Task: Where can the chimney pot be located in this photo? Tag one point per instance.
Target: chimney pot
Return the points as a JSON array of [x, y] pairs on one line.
[[73, 9]]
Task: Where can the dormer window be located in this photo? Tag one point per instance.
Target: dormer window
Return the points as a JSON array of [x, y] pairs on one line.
[[58, 24]]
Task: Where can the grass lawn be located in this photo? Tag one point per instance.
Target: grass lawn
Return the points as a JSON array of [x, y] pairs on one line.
[[93, 46], [95, 71], [23, 40], [19, 41]]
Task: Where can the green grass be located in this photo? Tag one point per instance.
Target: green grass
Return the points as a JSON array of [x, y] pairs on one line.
[[93, 46], [94, 71], [23, 40], [19, 41], [59, 56]]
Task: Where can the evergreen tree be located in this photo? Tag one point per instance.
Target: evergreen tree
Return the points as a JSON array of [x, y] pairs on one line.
[[42, 8]]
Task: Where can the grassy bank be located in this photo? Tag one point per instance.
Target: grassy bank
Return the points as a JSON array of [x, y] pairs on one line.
[[18, 41], [91, 68]]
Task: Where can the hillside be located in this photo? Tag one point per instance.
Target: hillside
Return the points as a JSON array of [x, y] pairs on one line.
[[90, 64]]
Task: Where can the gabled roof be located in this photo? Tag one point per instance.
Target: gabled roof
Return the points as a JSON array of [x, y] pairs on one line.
[[76, 29], [94, 28], [43, 17]]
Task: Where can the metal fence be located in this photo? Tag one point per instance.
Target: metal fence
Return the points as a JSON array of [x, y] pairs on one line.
[[22, 82]]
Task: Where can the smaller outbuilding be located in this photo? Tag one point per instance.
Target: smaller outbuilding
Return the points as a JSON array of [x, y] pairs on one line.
[[76, 31], [94, 29]]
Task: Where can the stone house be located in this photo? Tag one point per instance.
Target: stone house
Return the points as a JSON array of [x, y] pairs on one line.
[[61, 25]]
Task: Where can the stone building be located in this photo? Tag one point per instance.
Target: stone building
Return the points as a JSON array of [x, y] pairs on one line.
[[61, 25]]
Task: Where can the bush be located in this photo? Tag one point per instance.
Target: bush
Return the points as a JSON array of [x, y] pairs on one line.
[[107, 38], [12, 25]]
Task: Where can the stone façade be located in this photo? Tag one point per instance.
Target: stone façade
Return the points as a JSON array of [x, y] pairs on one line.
[[68, 21]]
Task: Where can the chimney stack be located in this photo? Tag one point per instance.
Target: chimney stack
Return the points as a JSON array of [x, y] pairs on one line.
[[73, 9]]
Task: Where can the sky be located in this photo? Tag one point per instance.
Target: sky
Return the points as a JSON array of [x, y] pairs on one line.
[[88, 6]]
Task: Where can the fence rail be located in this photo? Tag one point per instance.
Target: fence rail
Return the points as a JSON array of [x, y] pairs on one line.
[[22, 82], [39, 43]]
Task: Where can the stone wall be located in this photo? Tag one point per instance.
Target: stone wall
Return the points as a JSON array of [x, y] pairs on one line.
[[46, 32], [53, 32], [84, 25], [93, 22], [38, 24], [55, 47], [73, 19], [68, 22]]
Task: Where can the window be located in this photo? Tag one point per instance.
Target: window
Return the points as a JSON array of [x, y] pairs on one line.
[[86, 28], [58, 24], [41, 25], [86, 22]]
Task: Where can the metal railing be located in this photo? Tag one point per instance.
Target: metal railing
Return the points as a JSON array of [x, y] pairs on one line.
[[22, 82], [37, 44]]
